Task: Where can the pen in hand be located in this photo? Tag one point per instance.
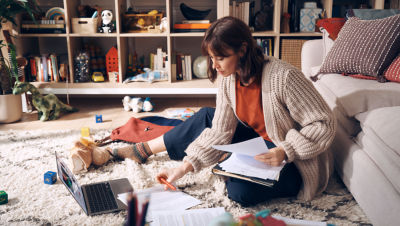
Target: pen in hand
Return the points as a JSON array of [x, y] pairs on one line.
[[163, 181]]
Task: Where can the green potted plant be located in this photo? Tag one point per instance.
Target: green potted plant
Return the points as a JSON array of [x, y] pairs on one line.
[[10, 105]]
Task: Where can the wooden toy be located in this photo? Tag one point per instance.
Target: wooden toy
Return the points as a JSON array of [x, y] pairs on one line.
[[50, 177], [99, 118], [85, 131], [3, 197], [112, 61]]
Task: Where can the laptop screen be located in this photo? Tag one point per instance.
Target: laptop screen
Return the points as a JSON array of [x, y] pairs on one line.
[[69, 180]]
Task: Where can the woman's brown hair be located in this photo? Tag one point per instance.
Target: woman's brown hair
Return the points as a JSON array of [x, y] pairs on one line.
[[230, 33]]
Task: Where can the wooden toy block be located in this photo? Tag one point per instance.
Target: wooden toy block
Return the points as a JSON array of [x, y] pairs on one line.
[[99, 118], [85, 131], [50, 177], [3, 197]]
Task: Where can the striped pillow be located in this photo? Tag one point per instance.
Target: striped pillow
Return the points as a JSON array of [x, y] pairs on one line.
[[393, 71], [364, 47]]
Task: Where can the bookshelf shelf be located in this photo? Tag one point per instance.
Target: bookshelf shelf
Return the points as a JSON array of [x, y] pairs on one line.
[[69, 44], [301, 34], [188, 34]]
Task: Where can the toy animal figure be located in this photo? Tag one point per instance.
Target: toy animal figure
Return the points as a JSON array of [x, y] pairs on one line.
[[106, 25], [49, 107]]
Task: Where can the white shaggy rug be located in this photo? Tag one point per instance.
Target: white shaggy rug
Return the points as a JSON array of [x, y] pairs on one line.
[[27, 155]]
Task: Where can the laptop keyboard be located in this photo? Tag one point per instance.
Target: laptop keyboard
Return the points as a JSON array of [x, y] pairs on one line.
[[100, 197]]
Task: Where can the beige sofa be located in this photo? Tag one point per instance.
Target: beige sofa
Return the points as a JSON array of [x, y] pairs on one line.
[[366, 148]]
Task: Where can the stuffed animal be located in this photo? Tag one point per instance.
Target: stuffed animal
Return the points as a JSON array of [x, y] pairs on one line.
[[49, 107], [137, 104], [106, 25], [84, 153]]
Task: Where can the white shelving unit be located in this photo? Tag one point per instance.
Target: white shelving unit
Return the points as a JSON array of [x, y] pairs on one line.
[[71, 43]]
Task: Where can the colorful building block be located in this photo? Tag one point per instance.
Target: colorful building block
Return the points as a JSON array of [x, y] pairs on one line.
[[50, 177], [85, 131], [99, 118], [3, 197]]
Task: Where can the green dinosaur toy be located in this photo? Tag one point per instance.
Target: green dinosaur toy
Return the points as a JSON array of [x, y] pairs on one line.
[[49, 107]]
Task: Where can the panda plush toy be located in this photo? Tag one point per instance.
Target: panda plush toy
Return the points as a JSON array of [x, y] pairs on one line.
[[106, 24]]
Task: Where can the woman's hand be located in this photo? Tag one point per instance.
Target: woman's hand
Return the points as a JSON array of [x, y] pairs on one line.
[[274, 157], [173, 174]]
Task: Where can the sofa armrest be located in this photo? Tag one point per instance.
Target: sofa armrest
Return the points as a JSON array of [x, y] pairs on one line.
[[312, 54]]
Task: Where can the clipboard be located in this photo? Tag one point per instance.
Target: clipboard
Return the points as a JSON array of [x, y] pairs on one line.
[[217, 170]]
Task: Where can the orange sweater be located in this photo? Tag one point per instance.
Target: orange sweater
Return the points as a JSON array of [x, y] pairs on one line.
[[249, 107]]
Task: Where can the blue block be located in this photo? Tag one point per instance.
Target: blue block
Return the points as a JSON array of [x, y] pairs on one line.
[[50, 177], [99, 118]]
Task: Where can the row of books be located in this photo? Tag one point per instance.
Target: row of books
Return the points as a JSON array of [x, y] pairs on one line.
[[44, 68], [192, 26], [43, 26], [241, 10], [266, 45], [183, 67]]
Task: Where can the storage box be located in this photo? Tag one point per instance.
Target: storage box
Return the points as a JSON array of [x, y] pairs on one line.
[[84, 25], [308, 18], [139, 23]]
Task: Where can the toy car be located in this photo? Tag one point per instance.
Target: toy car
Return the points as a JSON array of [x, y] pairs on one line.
[[97, 76]]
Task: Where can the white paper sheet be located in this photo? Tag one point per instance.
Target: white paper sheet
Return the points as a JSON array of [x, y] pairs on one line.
[[195, 217], [295, 222], [250, 147], [248, 166], [161, 200]]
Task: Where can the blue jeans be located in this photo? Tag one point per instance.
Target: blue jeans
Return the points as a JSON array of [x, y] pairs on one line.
[[244, 192]]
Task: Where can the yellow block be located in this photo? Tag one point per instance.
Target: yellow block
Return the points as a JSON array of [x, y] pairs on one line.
[[85, 132]]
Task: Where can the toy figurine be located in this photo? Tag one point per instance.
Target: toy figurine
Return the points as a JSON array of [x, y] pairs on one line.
[[49, 107], [82, 68], [106, 24]]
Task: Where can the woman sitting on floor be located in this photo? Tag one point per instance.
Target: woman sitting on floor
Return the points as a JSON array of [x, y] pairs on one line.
[[257, 96]]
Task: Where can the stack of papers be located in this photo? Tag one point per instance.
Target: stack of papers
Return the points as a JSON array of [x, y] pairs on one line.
[[242, 160], [196, 217], [176, 202]]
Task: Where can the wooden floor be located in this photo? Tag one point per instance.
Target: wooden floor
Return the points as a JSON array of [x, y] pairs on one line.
[[111, 110]]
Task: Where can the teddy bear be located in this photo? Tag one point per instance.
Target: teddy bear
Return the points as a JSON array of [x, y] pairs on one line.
[[85, 152]]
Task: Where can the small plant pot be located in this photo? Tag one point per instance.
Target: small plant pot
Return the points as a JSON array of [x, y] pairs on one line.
[[10, 108]]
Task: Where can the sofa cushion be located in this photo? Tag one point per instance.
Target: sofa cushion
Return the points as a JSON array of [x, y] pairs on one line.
[[380, 140], [331, 25], [358, 95], [392, 73], [371, 14], [364, 47]]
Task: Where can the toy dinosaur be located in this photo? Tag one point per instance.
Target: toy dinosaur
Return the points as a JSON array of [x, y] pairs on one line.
[[49, 107]]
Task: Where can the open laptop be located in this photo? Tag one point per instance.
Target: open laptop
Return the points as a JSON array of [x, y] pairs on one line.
[[96, 198]]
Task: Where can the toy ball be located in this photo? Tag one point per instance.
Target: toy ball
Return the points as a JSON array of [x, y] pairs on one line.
[[200, 67]]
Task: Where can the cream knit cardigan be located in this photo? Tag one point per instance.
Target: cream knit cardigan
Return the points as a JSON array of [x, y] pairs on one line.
[[296, 118]]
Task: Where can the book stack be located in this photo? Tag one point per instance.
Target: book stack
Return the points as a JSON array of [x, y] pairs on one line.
[[158, 60], [44, 68], [43, 26], [183, 67], [266, 45], [192, 26]]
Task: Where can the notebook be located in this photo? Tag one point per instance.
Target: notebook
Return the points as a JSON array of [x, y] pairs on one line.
[[95, 198], [217, 170]]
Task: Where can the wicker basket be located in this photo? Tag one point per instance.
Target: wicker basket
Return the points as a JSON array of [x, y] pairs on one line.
[[291, 51]]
